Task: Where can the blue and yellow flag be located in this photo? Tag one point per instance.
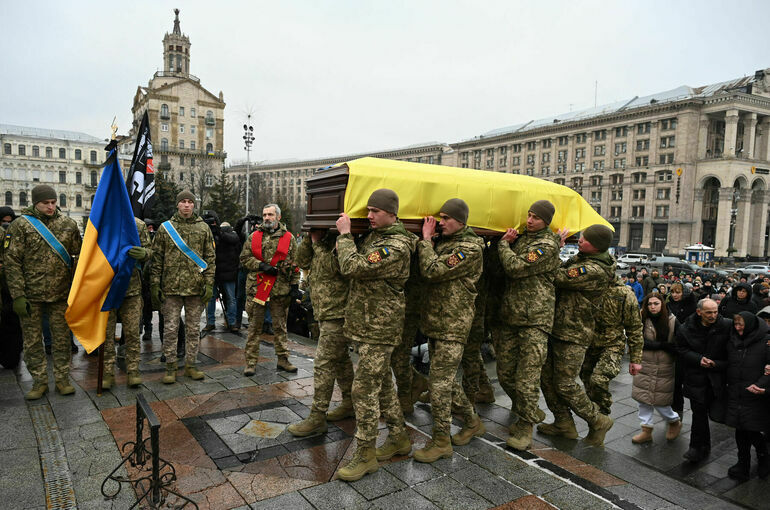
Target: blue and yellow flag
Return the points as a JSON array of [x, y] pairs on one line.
[[104, 267]]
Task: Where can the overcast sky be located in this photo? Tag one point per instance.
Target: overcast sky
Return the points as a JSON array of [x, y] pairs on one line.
[[341, 77]]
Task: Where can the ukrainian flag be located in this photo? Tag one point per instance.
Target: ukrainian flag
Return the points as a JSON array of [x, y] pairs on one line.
[[104, 267]]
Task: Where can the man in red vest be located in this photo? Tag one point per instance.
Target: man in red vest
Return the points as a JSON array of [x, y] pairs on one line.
[[273, 279]]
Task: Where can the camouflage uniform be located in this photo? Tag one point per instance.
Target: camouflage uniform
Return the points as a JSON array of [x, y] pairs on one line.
[[474, 371], [495, 277], [530, 264], [580, 283], [35, 271], [374, 317], [130, 313], [288, 275], [451, 271], [619, 321], [328, 293], [181, 281]]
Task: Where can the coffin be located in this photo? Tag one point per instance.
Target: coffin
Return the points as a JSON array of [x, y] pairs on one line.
[[496, 200]]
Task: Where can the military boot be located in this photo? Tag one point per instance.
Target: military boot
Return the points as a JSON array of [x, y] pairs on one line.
[[362, 463], [64, 387], [473, 427], [313, 424], [564, 427], [191, 371], [342, 411], [521, 435], [598, 429], [284, 364], [108, 379], [485, 395], [134, 379], [170, 377], [439, 447], [37, 391], [250, 370], [399, 444]]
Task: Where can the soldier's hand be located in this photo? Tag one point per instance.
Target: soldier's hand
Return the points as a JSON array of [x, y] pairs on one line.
[[316, 235], [138, 253], [156, 296], [21, 307], [564, 234], [268, 269], [208, 292], [343, 224], [428, 227], [510, 235], [634, 368]]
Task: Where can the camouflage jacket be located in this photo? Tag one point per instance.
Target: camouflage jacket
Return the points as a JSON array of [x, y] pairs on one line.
[[530, 265], [32, 268], [176, 274], [288, 272], [378, 270], [580, 283], [328, 289], [619, 320], [451, 271], [494, 284], [135, 285]]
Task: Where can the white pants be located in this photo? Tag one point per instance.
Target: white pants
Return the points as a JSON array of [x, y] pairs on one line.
[[645, 414]]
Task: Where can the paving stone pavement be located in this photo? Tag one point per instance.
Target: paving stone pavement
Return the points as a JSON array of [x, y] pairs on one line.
[[210, 432]]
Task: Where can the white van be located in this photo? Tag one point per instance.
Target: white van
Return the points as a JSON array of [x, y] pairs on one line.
[[634, 259]]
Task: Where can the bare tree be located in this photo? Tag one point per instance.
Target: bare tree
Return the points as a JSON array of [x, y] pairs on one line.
[[203, 175]]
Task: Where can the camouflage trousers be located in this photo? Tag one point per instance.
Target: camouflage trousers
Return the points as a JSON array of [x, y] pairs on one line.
[[601, 365], [559, 382], [445, 390], [332, 362], [374, 393], [279, 309], [130, 315], [400, 361], [34, 352], [521, 355], [172, 308], [474, 371]]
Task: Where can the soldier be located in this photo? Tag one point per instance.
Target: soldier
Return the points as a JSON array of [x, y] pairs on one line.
[[268, 255], [618, 322], [580, 283], [182, 275], [374, 317], [530, 262], [40, 258], [328, 293], [130, 315], [451, 270]]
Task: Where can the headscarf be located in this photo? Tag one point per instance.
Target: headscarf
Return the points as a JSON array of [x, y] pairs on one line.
[[750, 323]]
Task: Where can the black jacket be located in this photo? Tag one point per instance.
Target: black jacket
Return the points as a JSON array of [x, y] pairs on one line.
[[747, 356], [683, 308], [731, 305], [695, 341], [228, 253]]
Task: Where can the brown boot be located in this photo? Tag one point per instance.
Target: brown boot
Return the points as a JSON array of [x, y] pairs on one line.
[[134, 379], [598, 429], [673, 429], [564, 427], [485, 395], [521, 435], [439, 447], [362, 463], [313, 424], [170, 377], [394, 445], [645, 436], [473, 427], [37, 391], [192, 372], [64, 387], [108, 379], [342, 411], [284, 364]]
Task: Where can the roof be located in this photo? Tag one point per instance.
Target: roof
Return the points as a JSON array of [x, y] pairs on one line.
[[57, 134], [677, 94], [345, 157]]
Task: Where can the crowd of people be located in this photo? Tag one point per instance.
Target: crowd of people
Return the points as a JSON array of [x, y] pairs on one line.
[[550, 322]]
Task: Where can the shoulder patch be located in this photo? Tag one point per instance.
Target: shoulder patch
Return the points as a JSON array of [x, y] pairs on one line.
[[577, 271], [534, 255], [455, 259], [377, 255], [7, 241]]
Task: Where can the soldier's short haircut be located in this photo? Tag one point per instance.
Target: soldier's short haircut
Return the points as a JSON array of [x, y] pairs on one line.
[[277, 208]]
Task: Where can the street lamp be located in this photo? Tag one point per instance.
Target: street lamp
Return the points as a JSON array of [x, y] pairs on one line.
[[248, 139]]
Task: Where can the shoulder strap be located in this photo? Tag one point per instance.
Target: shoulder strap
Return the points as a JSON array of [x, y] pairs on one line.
[[49, 238], [186, 250]]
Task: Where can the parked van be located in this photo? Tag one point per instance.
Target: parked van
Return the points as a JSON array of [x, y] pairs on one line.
[[634, 259]]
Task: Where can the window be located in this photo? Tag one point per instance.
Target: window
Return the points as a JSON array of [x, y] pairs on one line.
[[661, 211], [559, 181], [181, 160], [503, 160], [616, 179], [164, 126], [668, 124], [642, 160], [517, 160], [192, 130], [164, 112], [619, 163], [577, 182], [620, 148], [192, 161], [637, 211], [643, 145], [599, 165], [93, 178], [531, 146], [667, 141], [580, 153], [209, 180], [209, 133], [63, 200], [546, 170], [516, 147], [530, 159], [599, 150], [78, 154], [93, 156], [665, 175], [36, 151], [48, 152], [181, 176], [640, 194], [209, 148], [639, 177], [600, 134], [643, 128], [6, 148], [547, 142], [563, 140], [546, 157], [181, 144], [561, 169], [62, 153], [581, 138], [621, 131], [562, 156], [615, 211], [23, 198], [596, 180], [164, 144], [78, 178], [664, 159], [192, 145], [181, 111], [78, 200], [8, 198], [663, 194], [181, 128], [49, 176], [192, 112], [62, 177], [530, 171], [580, 167], [22, 150]]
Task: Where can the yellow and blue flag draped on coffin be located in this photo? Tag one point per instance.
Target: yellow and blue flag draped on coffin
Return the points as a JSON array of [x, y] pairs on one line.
[[496, 200], [104, 267]]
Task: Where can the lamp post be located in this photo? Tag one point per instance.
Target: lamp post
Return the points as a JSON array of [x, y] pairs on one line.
[[248, 139]]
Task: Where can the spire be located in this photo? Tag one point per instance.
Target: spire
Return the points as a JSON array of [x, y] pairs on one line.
[[177, 30]]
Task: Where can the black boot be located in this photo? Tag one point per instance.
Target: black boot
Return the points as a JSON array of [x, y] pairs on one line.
[[764, 465], [740, 470]]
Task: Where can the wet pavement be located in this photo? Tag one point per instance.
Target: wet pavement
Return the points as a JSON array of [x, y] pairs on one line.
[[226, 440]]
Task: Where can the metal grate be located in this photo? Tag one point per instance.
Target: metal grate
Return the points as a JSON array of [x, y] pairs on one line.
[[59, 492]]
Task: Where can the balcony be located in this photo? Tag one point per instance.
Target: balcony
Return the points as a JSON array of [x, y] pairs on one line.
[[177, 151], [164, 166], [165, 116], [210, 121], [168, 74]]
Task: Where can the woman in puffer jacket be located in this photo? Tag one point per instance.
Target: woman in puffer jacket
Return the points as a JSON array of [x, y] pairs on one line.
[[747, 398], [653, 386]]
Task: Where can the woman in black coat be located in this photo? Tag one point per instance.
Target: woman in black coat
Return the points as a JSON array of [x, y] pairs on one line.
[[747, 404], [738, 301]]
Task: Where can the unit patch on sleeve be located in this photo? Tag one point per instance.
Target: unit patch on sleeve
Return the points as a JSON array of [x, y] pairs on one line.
[[378, 255], [455, 259], [534, 255], [576, 271], [7, 241]]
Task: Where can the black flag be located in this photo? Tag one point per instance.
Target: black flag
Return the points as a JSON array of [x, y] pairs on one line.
[[141, 176]]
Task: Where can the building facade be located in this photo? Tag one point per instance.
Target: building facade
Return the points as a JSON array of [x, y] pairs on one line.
[[69, 161], [186, 120]]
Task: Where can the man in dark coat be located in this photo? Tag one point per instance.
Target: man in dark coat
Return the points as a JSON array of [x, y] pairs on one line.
[[738, 301], [702, 347], [652, 281], [228, 253]]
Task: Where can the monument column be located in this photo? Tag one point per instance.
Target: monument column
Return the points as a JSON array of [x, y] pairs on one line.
[[697, 217], [722, 236], [749, 135], [742, 223]]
